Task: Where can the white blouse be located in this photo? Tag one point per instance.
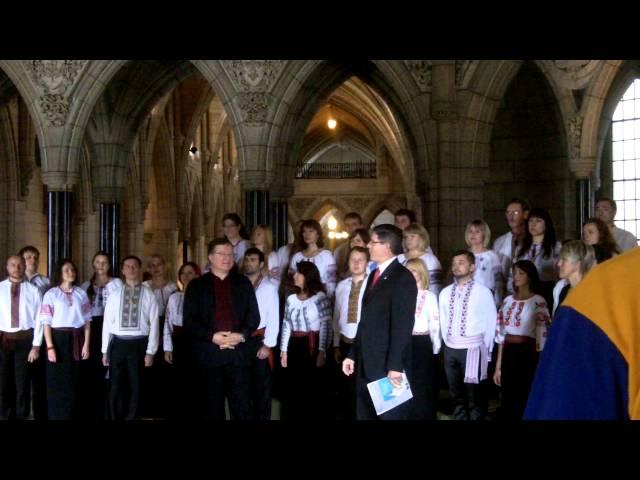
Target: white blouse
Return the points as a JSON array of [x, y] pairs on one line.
[[28, 310], [489, 273], [162, 294], [274, 267], [433, 267], [547, 266], [310, 315], [62, 309], [101, 295], [239, 249], [173, 317], [529, 318], [326, 266], [427, 317]]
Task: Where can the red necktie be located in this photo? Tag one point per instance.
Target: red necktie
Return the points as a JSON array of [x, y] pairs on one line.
[[15, 305], [376, 276]]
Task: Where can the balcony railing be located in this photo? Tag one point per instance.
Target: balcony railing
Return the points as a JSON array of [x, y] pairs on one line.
[[337, 170]]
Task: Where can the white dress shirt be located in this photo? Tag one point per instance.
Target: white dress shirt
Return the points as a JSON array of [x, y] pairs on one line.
[[624, 239], [70, 309], [173, 317], [28, 310], [147, 319], [269, 308]]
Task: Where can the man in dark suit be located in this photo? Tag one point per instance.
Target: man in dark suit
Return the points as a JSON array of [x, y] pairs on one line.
[[220, 313], [382, 347]]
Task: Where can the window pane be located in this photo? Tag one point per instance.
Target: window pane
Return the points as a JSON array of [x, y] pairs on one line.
[[617, 191], [617, 170], [629, 131], [630, 209], [617, 115], [636, 129], [629, 170], [620, 213], [617, 131], [627, 109], [628, 149], [617, 150], [629, 189]]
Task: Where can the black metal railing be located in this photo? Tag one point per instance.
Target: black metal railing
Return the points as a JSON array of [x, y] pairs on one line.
[[337, 170]]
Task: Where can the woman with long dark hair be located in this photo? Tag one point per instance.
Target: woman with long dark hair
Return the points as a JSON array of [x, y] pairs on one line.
[[311, 249], [521, 332], [304, 341], [596, 232], [98, 288], [542, 248], [66, 315]]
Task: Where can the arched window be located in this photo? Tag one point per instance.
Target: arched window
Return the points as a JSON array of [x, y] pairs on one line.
[[626, 159]]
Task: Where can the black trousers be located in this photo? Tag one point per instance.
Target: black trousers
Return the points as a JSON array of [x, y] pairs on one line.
[[467, 397], [93, 387], [227, 381], [519, 362], [346, 408], [424, 380], [15, 376], [181, 380], [39, 384], [126, 366], [260, 386], [302, 399], [364, 405], [63, 378], [155, 382]]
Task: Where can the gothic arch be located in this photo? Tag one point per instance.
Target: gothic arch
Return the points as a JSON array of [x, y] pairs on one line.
[[312, 82]]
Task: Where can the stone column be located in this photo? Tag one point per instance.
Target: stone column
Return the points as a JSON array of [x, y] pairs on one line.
[[583, 203], [110, 231], [59, 228], [256, 208], [279, 223]]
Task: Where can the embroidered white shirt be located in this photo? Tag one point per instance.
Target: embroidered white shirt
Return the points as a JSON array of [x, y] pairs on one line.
[[427, 317], [28, 310], [65, 309], [147, 318], [529, 318], [326, 266], [341, 310], [310, 315], [101, 295], [162, 294]]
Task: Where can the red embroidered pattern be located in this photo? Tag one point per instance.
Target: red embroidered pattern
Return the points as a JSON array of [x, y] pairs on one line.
[[465, 308], [519, 313]]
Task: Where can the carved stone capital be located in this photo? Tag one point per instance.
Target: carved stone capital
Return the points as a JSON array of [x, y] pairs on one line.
[[254, 106], [253, 75], [421, 73], [55, 79], [464, 72], [574, 134]]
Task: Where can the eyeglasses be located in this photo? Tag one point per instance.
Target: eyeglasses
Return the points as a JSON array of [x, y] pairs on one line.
[[374, 242], [223, 254]]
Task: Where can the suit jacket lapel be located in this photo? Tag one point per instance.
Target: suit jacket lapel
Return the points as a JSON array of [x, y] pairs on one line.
[[383, 277]]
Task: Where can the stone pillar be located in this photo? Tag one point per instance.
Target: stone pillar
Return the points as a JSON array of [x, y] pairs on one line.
[[185, 251], [583, 203], [256, 208], [279, 223], [110, 231], [59, 228]]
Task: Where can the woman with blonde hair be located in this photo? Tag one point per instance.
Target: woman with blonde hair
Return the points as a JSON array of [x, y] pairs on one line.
[[262, 239], [416, 245], [575, 260], [425, 345], [488, 272]]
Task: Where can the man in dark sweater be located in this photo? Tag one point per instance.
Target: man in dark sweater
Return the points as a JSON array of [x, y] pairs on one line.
[[220, 313]]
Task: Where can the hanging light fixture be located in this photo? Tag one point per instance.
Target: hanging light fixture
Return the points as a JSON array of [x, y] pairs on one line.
[[331, 123]]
